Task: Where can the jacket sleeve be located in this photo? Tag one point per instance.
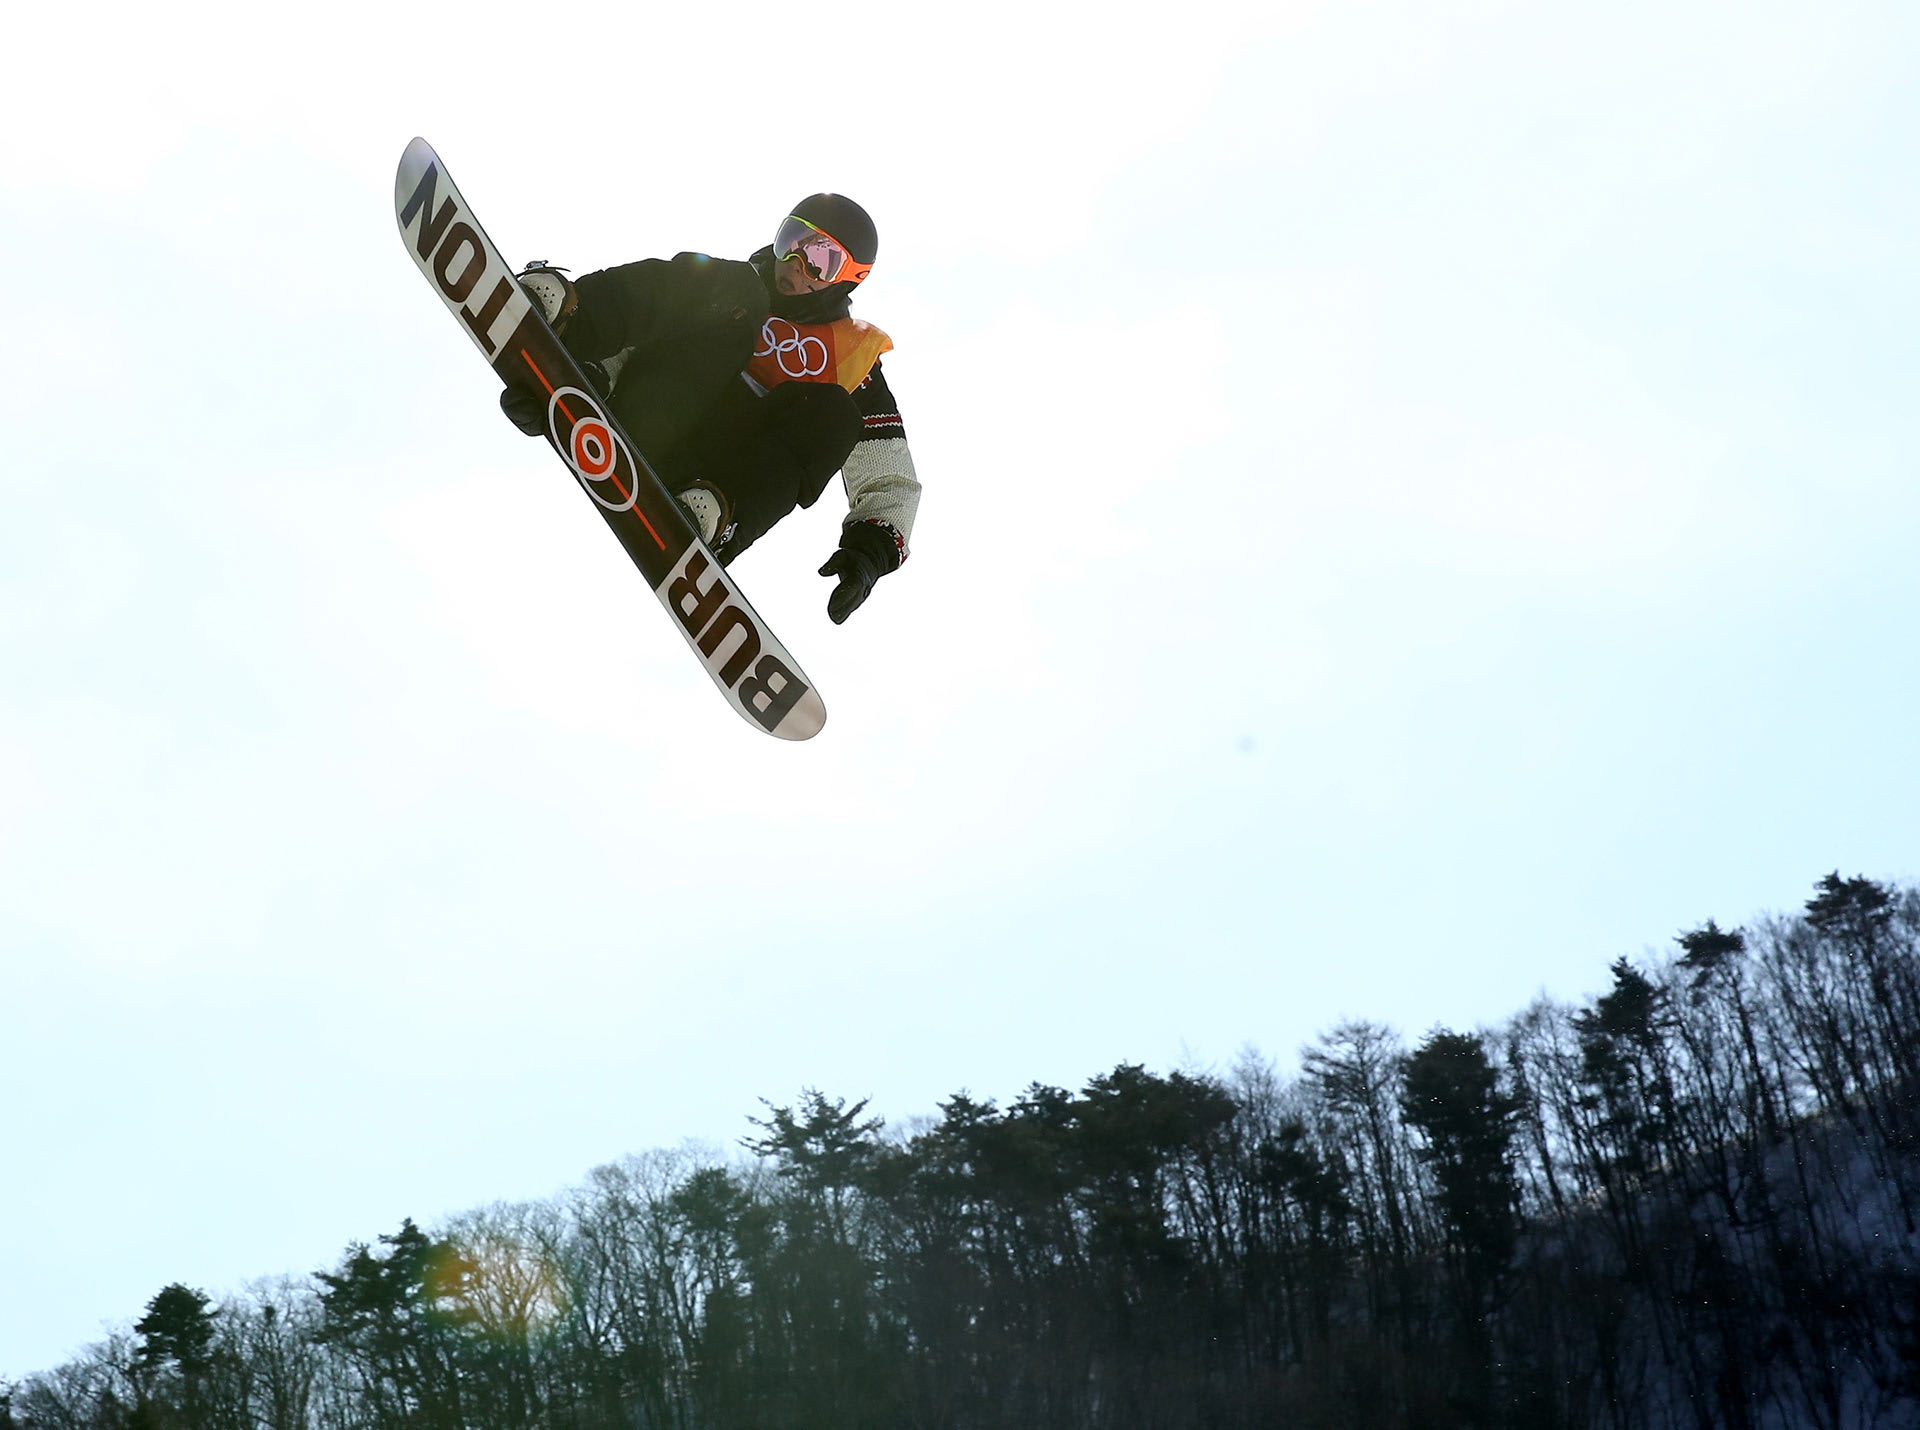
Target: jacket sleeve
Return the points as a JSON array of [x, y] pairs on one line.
[[654, 301], [881, 485]]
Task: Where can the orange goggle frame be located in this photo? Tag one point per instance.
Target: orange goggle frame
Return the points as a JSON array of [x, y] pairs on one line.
[[825, 256]]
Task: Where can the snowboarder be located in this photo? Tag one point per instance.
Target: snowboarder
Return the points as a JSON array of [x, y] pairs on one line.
[[748, 385]]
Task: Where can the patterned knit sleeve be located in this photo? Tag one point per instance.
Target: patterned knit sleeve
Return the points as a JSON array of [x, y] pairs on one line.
[[881, 486]]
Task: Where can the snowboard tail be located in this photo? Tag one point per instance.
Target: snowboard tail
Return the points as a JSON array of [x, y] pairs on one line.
[[753, 670]]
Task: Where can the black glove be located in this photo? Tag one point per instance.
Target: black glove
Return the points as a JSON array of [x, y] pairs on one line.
[[867, 552], [528, 412], [524, 411]]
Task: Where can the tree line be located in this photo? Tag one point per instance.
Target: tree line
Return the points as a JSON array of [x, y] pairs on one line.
[[1687, 1203]]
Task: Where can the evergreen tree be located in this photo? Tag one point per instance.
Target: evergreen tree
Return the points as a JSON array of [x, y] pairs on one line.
[[1453, 1098], [1450, 1094], [173, 1360], [397, 1318], [177, 1331]]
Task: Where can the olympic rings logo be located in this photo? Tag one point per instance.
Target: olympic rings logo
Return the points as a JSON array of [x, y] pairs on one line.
[[784, 343], [594, 450]]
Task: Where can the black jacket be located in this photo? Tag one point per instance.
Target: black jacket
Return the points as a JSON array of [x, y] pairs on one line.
[[656, 302], [688, 327]]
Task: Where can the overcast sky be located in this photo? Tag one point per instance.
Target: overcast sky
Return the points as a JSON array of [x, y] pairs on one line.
[[1416, 507]]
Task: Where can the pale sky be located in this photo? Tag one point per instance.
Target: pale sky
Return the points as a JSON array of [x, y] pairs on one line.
[[1417, 505]]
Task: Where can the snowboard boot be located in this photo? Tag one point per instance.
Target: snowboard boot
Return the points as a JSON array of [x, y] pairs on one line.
[[708, 509], [552, 292]]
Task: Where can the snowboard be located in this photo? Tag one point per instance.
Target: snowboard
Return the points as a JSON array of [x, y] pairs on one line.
[[751, 667]]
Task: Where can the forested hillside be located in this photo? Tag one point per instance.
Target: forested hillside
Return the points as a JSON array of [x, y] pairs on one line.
[[1689, 1202]]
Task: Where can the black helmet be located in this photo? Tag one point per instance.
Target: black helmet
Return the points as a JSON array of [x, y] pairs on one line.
[[842, 220]]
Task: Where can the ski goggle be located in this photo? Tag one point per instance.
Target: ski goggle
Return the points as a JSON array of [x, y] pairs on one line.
[[826, 258]]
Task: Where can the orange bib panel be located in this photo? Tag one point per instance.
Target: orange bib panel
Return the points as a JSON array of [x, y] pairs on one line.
[[842, 352]]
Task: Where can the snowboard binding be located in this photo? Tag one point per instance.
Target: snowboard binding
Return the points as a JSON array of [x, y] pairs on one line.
[[552, 292]]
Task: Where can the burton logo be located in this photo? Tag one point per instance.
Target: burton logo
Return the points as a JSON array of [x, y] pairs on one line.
[[713, 621], [455, 256]]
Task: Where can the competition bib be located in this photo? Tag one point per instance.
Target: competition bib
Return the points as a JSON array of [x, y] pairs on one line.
[[842, 352]]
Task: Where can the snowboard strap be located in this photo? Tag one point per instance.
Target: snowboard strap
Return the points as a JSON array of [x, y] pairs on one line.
[[552, 291]]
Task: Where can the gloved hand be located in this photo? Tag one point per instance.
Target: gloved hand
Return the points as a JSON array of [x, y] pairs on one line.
[[867, 552], [525, 411], [528, 412]]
